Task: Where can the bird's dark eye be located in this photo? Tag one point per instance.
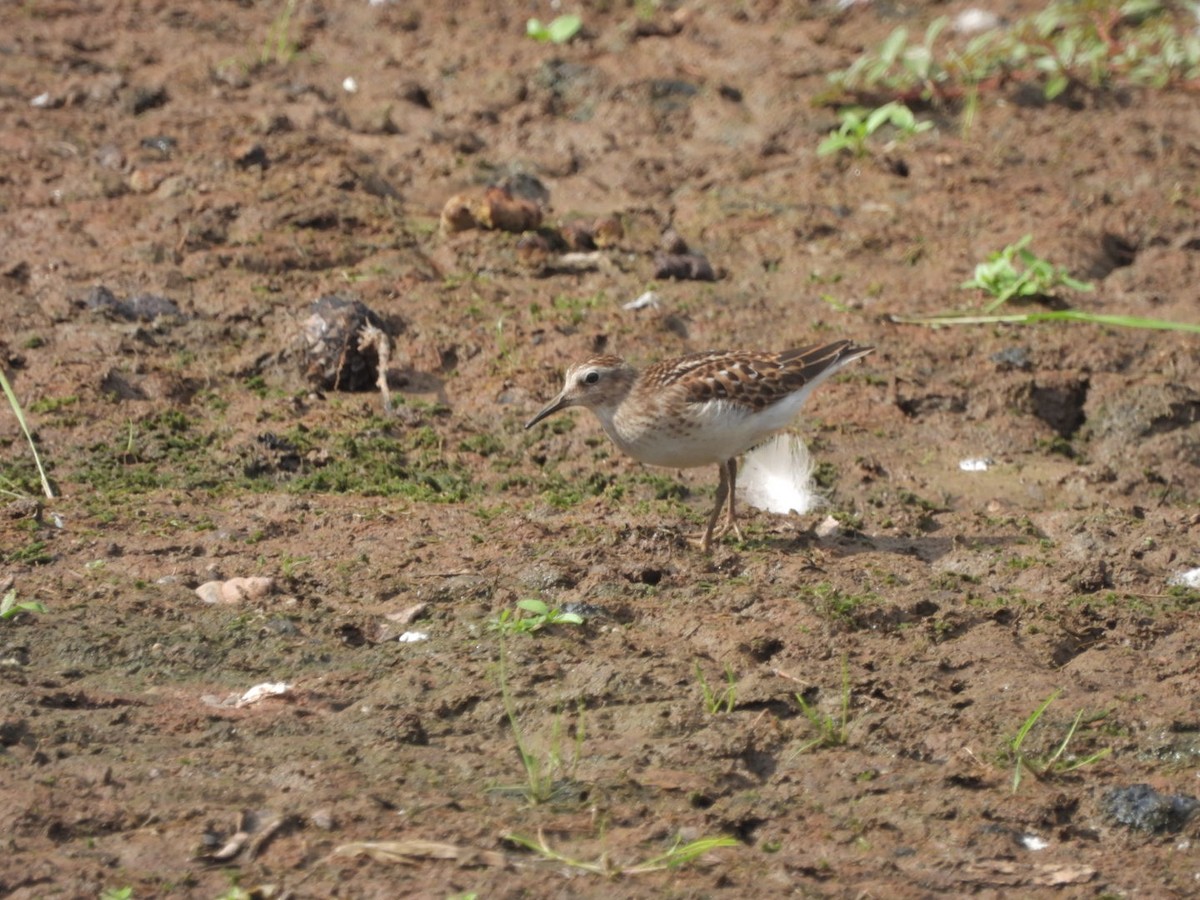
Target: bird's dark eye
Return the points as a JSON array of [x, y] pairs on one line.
[[591, 377]]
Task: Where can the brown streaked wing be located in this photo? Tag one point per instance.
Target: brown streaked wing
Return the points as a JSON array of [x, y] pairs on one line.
[[670, 371], [758, 379]]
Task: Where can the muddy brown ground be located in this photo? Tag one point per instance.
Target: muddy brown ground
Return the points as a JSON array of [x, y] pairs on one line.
[[182, 150]]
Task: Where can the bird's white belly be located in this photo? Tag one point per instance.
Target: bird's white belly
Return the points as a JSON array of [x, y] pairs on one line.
[[706, 434]]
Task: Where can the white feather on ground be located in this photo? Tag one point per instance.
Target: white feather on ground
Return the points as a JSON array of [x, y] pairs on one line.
[[777, 476]]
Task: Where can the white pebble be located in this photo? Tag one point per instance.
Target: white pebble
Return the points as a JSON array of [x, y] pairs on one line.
[[975, 21], [976, 464], [259, 691], [648, 299]]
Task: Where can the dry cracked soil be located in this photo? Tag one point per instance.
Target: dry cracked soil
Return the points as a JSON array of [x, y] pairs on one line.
[[182, 181]]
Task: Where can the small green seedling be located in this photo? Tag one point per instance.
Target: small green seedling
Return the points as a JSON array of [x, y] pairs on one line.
[[1096, 45], [1001, 277], [558, 31], [125, 893], [549, 776], [533, 615], [718, 701], [858, 124], [1054, 764], [9, 606], [832, 731], [278, 46]]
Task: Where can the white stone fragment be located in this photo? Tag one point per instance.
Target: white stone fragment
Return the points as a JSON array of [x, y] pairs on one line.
[[976, 464], [1033, 842], [413, 637], [828, 528], [259, 691], [975, 21], [650, 300]]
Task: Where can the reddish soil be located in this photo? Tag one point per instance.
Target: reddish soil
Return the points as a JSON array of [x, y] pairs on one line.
[[181, 153]]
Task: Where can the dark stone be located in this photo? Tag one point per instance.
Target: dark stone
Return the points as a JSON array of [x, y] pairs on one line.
[[1142, 807]]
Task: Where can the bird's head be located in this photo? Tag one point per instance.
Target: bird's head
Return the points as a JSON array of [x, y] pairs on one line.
[[599, 383]]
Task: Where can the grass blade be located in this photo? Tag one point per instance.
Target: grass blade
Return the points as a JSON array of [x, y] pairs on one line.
[[16, 407], [1065, 315], [681, 854]]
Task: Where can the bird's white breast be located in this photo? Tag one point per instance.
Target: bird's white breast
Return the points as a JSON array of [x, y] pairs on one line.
[[698, 434]]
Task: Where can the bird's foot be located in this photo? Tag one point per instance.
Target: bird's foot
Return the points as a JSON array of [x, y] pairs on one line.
[[705, 541], [727, 527]]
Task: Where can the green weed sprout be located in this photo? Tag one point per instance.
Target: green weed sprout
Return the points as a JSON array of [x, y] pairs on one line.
[[558, 31], [858, 124], [533, 615], [680, 854], [1017, 272], [545, 777], [715, 702], [1000, 276], [9, 606], [1054, 764], [832, 731], [278, 46]]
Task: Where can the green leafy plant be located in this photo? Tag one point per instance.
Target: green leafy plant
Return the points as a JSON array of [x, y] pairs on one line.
[[533, 615], [1016, 271], [557, 31], [718, 701], [9, 606], [1057, 763], [858, 124], [125, 893], [680, 854], [831, 731]]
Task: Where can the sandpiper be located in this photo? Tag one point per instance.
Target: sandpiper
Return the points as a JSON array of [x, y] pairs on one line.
[[700, 409]]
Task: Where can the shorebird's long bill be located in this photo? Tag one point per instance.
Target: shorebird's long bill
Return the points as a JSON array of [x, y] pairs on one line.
[[551, 408]]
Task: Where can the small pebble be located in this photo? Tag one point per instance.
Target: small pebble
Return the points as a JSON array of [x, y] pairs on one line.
[[236, 590], [683, 267], [975, 21], [1142, 807], [976, 464], [501, 210]]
